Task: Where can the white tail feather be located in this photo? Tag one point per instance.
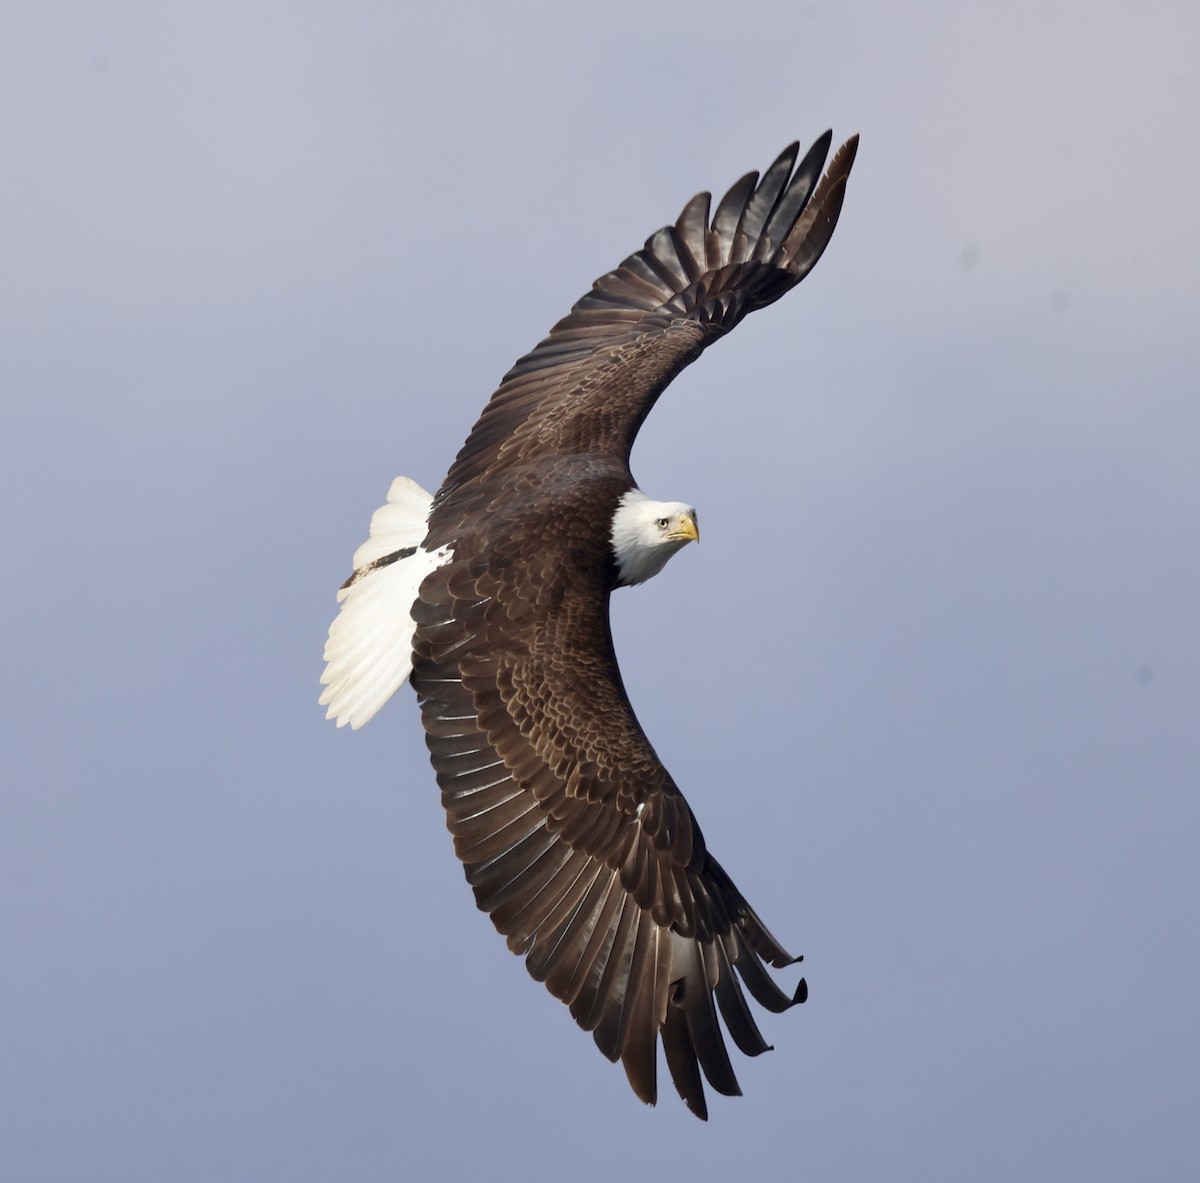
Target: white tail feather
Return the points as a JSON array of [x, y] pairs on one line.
[[369, 652]]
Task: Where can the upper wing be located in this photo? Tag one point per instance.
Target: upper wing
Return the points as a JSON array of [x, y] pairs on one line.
[[575, 839], [589, 385]]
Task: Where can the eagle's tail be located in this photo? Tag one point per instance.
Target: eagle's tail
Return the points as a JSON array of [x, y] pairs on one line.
[[369, 651]]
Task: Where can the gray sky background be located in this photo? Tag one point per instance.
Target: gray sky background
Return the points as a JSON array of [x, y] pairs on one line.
[[931, 682]]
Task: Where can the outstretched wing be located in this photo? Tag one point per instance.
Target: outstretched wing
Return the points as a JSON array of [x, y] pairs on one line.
[[575, 839], [589, 385]]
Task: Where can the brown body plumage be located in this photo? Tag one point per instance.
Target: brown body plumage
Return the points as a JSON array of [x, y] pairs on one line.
[[574, 837]]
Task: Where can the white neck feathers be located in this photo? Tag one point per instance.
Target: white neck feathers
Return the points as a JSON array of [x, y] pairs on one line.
[[637, 538]]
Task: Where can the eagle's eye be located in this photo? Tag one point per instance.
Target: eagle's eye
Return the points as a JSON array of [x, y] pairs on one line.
[[661, 523]]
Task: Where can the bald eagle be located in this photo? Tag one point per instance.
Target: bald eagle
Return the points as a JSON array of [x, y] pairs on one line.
[[492, 598]]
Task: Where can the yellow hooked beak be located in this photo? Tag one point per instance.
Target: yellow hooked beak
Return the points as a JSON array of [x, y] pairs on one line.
[[686, 530]]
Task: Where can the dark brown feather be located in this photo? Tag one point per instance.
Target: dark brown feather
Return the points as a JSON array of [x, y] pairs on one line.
[[574, 837]]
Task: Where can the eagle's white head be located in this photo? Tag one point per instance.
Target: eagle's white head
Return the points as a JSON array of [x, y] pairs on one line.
[[646, 533]]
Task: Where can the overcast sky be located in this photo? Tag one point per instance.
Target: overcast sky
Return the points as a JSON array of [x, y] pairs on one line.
[[931, 682]]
